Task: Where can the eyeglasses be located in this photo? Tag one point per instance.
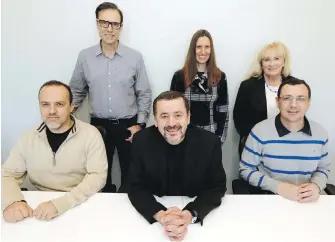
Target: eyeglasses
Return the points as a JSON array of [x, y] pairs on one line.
[[299, 99], [105, 24]]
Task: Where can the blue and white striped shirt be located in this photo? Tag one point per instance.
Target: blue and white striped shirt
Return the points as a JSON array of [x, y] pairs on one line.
[[272, 155]]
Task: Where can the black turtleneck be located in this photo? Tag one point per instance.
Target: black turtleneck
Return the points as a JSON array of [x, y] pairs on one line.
[[56, 139], [175, 161]]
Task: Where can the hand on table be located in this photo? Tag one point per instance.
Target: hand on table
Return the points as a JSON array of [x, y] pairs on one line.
[[175, 222], [308, 192], [17, 211], [45, 211]]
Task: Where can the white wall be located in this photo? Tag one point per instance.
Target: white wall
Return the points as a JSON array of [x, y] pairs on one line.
[[41, 40]]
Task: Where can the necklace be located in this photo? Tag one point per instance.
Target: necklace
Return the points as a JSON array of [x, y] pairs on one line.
[[271, 90]]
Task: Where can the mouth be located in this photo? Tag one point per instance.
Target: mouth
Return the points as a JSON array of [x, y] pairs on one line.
[[203, 56], [110, 35], [53, 118], [292, 112], [173, 131]]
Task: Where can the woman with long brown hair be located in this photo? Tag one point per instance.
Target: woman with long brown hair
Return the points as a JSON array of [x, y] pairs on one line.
[[204, 85]]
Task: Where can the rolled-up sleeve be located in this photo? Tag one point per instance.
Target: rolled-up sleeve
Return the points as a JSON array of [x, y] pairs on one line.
[[143, 92]]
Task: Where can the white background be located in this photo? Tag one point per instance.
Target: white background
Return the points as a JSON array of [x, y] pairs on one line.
[[42, 38]]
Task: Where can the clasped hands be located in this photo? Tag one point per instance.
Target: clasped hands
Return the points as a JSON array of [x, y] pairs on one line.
[[175, 222], [307, 192], [18, 211]]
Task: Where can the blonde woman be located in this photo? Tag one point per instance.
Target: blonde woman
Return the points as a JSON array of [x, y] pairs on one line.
[[256, 97]]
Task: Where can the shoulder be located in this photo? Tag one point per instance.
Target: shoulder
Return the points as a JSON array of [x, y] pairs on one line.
[[146, 135], [318, 130], [90, 51], [252, 81], [179, 74], [87, 130], [202, 137], [264, 128], [130, 52]]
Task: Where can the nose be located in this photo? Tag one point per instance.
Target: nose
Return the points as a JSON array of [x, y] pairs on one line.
[[293, 103], [110, 29], [52, 109], [171, 121]]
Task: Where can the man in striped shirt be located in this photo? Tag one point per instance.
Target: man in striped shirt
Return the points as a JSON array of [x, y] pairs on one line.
[[287, 155]]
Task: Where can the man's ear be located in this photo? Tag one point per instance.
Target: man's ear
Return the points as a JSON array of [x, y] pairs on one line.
[[277, 102]]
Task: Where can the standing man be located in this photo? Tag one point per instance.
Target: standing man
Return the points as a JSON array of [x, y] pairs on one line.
[[115, 77]]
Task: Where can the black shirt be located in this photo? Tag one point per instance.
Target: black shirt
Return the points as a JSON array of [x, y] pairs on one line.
[[56, 139], [175, 160]]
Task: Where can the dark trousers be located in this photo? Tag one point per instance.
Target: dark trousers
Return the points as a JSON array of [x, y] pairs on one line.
[[116, 133]]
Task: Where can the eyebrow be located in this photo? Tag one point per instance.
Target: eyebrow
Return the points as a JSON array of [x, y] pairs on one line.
[[52, 102]]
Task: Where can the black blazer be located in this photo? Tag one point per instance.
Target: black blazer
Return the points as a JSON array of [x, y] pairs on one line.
[[203, 173], [250, 106]]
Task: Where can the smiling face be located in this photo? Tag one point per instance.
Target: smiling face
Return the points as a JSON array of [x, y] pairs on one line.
[[109, 35], [203, 50], [272, 63], [171, 119], [55, 108], [293, 103]]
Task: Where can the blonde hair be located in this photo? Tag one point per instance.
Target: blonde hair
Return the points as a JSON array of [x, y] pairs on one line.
[[278, 47]]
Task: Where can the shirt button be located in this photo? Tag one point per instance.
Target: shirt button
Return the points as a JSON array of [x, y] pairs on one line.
[[110, 98], [110, 110], [109, 73], [109, 85]]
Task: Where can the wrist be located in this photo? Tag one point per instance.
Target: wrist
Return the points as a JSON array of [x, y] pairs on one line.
[[142, 125], [159, 215], [192, 216]]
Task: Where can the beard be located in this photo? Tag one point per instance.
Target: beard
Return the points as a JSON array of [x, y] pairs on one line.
[[176, 139]]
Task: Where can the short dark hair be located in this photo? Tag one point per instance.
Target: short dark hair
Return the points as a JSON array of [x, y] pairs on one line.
[[57, 83], [108, 5], [170, 95], [292, 81]]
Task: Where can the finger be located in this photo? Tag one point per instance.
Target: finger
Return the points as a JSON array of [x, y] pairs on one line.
[[176, 233], [38, 211], [44, 213], [179, 230], [181, 235], [24, 211], [303, 185], [130, 138], [170, 217], [18, 215], [30, 211], [170, 209], [306, 199], [178, 222], [304, 189], [305, 194], [170, 228]]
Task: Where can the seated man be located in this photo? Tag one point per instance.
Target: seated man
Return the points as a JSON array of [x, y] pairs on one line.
[[174, 158], [287, 155], [62, 154]]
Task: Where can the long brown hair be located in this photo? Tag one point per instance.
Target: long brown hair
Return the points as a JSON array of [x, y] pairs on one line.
[[190, 66]]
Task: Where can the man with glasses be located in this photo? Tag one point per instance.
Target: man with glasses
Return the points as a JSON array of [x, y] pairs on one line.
[[115, 77], [287, 155]]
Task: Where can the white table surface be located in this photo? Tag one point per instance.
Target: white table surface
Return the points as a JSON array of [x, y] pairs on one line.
[[111, 217]]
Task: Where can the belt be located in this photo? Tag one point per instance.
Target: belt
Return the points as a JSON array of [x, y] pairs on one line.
[[114, 121]]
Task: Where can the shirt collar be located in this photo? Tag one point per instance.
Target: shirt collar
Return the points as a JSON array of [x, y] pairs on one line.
[[119, 50], [282, 130]]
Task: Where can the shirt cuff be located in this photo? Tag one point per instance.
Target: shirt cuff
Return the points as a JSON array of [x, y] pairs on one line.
[[141, 118]]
